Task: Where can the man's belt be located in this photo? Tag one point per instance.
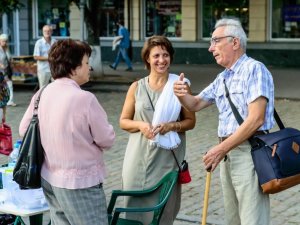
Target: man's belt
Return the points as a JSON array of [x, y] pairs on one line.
[[259, 132]]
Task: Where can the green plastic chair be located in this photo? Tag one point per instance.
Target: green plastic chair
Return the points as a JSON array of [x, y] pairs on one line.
[[164, 186]]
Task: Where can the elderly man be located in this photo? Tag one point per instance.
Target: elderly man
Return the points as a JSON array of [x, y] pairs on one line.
[[251, 89], [40, 54]]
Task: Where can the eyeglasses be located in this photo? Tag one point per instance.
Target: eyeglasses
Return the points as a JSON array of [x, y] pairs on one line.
[[214, 41]]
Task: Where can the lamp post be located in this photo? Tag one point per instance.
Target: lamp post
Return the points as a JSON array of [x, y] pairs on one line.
[[81, 6]]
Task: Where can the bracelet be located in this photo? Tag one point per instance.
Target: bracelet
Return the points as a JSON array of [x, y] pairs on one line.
[[178, 126]]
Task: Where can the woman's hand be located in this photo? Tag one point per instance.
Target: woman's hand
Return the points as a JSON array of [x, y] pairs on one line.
[[164, 128], [147, 130]]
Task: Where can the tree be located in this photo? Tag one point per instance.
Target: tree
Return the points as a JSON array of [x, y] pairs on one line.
[[7, 6]]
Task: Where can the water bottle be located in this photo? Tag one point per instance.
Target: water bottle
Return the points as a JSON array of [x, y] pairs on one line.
[[13, 156]]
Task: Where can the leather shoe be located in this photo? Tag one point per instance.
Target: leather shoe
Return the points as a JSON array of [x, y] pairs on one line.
[[111, 66], [129, 69]]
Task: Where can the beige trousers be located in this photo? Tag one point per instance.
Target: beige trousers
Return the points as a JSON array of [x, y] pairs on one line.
[[44, 78], [244, 202]]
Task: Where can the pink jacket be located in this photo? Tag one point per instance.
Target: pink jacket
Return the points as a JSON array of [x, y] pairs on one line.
[[74, 133]]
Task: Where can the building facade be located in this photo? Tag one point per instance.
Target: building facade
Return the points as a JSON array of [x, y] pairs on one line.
[[272, 26]]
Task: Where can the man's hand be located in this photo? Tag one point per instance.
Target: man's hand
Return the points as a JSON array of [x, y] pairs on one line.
[[213, 157], [179, 86]]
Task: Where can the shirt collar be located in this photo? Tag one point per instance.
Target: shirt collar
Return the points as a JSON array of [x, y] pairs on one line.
[[235, 67], [66, 80], [45, 42]]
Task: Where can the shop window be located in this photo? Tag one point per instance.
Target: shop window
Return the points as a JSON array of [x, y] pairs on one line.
[[7, 25], [163, 17], [56, 14], [286, 19], [110, 11], [214, 10]]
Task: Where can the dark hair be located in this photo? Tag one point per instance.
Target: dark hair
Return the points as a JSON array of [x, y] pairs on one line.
[[154, 41], [65, 55], [121, 22]]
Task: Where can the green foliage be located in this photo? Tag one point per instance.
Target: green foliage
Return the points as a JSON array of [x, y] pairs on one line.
[[7, 6]]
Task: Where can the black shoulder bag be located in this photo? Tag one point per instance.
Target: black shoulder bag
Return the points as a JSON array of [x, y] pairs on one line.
[[27, 172], [276, 155]]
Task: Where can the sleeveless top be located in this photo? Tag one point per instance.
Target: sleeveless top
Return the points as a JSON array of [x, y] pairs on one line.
[[144, 165]]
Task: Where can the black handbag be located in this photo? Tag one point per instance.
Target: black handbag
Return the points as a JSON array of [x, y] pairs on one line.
[[276, 155], [27, 172]]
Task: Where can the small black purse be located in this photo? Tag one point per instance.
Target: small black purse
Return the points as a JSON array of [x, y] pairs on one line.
[[27, 172]]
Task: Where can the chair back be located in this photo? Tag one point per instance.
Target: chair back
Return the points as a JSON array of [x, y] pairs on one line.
[[165, 187]]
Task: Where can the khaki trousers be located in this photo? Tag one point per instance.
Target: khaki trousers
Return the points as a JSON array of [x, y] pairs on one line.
[[44, 78], [244, 202]]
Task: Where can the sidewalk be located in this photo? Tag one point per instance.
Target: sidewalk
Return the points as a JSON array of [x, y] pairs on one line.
[[285, 208], [286, 80]]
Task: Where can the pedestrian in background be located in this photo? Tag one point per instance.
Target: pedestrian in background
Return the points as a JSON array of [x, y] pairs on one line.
[[5, 67], [148, 155], [124, 39], [75, 133], [41, 49], [251, 89]]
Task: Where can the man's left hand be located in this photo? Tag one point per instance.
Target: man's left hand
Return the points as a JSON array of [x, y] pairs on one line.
[[213, 157]]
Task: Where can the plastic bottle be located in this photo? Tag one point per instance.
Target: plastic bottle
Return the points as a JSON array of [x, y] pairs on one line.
[[13, 156]]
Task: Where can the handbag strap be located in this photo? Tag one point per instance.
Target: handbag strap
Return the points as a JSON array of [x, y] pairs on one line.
[[240, 120], [36, 102]]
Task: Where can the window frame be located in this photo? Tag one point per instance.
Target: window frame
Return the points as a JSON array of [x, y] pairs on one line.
[[270, 26], [143, 31]]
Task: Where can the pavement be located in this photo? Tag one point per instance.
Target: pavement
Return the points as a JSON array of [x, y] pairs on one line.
[[111, 92]]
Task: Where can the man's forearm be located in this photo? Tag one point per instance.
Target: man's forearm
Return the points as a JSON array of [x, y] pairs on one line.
[[41, 58], [193, 103]]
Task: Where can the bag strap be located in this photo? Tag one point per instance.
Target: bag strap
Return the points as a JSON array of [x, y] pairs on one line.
[[240, 120], [36, 102]]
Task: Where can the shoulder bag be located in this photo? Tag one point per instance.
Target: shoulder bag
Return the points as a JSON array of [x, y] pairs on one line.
[[27, 172], [276, 155]]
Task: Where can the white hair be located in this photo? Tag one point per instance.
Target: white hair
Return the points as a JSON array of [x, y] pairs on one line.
[[234, 28], [4, 37]]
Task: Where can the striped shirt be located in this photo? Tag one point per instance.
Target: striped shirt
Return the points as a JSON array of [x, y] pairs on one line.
[[246, 80]]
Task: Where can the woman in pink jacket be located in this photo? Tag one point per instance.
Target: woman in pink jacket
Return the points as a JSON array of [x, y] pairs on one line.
[[74, 133]]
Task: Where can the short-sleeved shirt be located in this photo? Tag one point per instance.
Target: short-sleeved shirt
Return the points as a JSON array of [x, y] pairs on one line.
[[42, 48], [247, 80], [125, 41]]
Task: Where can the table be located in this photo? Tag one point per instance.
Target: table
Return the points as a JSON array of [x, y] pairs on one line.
[[24, 69], [35, 215], [13, 200]]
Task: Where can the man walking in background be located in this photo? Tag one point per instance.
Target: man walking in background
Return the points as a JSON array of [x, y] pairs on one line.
[[40, 54], [123, 37]]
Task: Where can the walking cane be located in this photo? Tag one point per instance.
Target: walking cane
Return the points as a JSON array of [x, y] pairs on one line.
[[206, 195]]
